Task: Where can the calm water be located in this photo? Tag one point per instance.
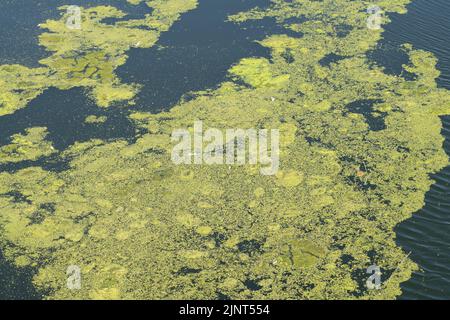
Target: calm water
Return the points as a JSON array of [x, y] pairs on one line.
[[427, 234], [196, 54]]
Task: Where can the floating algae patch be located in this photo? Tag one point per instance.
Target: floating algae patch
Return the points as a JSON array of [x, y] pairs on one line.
[[196, 53], [63, 113], [131, 219], [88, 57], [16, 282], [29, 146], [257, 72], [95, 119], [425, 234]]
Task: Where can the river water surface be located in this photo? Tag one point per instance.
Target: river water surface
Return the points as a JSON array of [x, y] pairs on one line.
[[195, 55]]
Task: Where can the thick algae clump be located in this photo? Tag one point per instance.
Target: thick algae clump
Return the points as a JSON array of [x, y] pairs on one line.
[[29, 146], [141, 227], [88, 57]]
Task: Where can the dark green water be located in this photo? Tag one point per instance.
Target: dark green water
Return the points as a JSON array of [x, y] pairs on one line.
[[197, 52]]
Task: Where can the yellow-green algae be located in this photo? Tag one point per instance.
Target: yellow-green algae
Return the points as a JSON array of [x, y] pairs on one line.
[[93, 119], [29, 146], [141, 227], [89, 56]]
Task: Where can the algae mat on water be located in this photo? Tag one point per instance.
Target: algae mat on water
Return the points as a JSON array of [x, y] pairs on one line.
[[357, 148]]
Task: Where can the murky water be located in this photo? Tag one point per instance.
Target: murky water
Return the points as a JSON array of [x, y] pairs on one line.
[[195, 55]]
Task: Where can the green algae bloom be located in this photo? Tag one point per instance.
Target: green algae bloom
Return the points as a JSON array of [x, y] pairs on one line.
[[29, 146], [257, 72], [92, 119], [89, 56], [134, 222]]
